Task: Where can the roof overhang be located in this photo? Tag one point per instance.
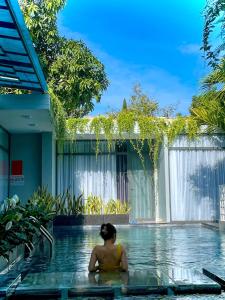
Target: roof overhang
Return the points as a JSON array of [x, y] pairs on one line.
[[26, 113], [19, 64]]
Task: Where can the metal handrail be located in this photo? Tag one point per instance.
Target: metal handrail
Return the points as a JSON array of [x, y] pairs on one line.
[[45, 232]]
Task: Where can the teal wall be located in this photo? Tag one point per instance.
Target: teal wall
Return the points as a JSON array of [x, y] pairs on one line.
[[4, 139], [49, 162], [27, 147], [4, 164]]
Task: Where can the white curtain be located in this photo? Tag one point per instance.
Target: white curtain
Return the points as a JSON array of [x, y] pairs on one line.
[[87, 174], [195, 176]]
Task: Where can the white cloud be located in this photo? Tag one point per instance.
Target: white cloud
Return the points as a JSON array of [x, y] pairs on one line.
[[158, 83], [190, 48]]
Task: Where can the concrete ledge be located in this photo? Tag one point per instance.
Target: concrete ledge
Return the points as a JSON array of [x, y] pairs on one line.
[[75, 220]]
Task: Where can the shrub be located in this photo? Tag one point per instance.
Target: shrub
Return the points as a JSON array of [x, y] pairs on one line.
[[68, 204], [15, 226], [117, 207], [94, 205]]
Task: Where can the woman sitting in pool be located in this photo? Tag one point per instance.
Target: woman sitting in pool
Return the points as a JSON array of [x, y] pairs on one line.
[[110, 257]]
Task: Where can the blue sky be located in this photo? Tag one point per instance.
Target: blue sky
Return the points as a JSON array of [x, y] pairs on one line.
[[154, 43]]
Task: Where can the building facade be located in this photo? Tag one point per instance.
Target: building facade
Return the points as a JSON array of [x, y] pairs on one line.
[[184, 187]]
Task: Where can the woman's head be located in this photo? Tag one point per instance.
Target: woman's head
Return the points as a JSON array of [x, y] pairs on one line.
[[108, 232]]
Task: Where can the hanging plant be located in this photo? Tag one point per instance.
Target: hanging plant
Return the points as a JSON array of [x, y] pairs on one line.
[[125, 123], [175, 128], [96, 129], [76, 126], [192, 128], [152, 130], [108, 127], [138, 130]]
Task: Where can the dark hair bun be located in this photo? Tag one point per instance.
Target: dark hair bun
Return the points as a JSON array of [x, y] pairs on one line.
[[107, 231]]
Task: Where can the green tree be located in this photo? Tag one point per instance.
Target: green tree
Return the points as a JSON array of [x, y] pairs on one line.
[[168, 111], [124, 107], [214, 21], [74, 75], [77, 77], [41, 20], [140, 103]]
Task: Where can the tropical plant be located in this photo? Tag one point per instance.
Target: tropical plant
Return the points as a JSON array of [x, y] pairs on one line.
[[116, 207], [210, 113], [16, 227], [216, 78], [208, 108], [94, 205], [41, 205], [69, 204]]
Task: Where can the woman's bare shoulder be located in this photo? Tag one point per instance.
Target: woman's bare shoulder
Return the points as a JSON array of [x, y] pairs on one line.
[[97, 248]]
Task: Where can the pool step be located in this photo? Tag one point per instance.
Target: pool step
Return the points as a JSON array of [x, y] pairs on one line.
[[10, 280], [161, 281]]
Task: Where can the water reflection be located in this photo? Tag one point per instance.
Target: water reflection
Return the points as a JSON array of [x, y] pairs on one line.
[[147, 248], [111, 279], [157, 279]]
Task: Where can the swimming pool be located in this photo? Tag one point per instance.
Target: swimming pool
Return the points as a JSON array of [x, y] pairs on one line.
[[155, 254], [192, 247]]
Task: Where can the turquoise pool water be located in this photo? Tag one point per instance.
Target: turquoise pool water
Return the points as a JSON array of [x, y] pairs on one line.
[[157, 255], [192, 247]]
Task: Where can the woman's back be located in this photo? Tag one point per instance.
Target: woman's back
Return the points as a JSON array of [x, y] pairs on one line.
[[109, 257]]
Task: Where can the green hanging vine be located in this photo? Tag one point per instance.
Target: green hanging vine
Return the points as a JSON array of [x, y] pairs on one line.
[[125, 124], [175, 128], [192, 128], [96, 128], [108, 127], [138, 130], [76, 126]]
